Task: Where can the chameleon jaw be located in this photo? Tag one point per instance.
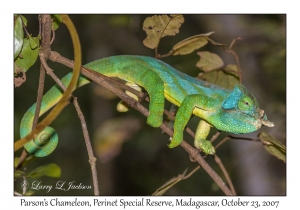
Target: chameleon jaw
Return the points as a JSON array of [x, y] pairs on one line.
[[264, 120]]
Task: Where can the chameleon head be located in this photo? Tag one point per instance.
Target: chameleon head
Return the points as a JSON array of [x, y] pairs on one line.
[[240, 112]]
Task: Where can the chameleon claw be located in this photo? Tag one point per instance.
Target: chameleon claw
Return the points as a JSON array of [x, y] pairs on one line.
[[206, 147], [173, 143], [154, 120]]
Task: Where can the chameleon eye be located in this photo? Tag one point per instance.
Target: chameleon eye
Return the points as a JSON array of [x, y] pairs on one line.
[[245, 103]]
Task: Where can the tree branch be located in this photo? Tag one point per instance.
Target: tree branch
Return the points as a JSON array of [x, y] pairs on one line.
[[92, 159]]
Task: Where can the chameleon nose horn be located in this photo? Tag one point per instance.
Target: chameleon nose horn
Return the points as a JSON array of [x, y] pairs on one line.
[[265, 121]]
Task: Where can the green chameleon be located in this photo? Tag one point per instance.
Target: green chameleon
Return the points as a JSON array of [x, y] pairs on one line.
[[235, 111]]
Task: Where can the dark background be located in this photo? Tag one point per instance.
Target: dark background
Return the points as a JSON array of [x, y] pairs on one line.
[[145, 162]]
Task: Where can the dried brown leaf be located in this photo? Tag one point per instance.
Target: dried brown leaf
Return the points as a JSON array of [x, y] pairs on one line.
[[209, 61], [159, 26], [190, 44]]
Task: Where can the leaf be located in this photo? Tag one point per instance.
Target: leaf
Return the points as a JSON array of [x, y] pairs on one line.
[[29, 53], [273, 146], [160, 26], [18, 36], [190, 44], [215, 43], [231, 69], [110, 136], [56, 21], [16, 160], [220, 78], [193, 43], [24, 20], [18, 174], [51, 170], [169, 184], [209, 61], [32, 42]]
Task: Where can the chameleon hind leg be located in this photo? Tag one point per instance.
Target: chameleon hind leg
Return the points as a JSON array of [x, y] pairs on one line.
[[122, 106], [154, 86], [183, 115]]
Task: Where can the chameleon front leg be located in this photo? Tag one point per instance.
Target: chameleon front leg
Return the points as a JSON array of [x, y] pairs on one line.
[[200, 141], [154, 86], [183, 115]]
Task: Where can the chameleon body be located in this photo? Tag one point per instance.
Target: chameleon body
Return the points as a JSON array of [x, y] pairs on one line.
[[235, 111]]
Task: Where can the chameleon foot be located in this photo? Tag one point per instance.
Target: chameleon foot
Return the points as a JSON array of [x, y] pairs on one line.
[[173, 143], [154, 120], [206, 147]]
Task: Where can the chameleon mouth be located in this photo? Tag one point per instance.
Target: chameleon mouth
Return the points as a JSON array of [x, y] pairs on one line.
[[264, 120]]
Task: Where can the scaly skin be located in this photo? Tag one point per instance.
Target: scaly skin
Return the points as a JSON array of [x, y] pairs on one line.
[[234, 111]]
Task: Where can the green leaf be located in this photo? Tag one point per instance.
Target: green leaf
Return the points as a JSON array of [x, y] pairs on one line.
[[160, 26], [18, 174], [16, 160], [18, 36], [209, 61], [51, 170], [56, 21], [24, 20], [32, 42], [29, 53], [273, 146]]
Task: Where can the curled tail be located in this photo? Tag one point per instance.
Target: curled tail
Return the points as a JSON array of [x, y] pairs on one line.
[[45, 142]]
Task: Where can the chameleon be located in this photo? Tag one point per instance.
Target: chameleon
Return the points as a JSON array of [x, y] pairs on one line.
[[235, 111]]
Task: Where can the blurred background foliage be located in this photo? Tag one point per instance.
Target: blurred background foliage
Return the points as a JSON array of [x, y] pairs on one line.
[[141, 162]]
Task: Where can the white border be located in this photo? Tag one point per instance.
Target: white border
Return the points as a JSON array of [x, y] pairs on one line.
[[126, 6]]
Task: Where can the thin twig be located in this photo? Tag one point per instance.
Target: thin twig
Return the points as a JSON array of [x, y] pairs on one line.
[[236, 58], [215, 136], [243, 138], [53, 35], [21, 159], [24, 27], [165, 55], [192, 172], [219, 162], [92, 159], [39, 96], [50, 73], [222, 142]]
